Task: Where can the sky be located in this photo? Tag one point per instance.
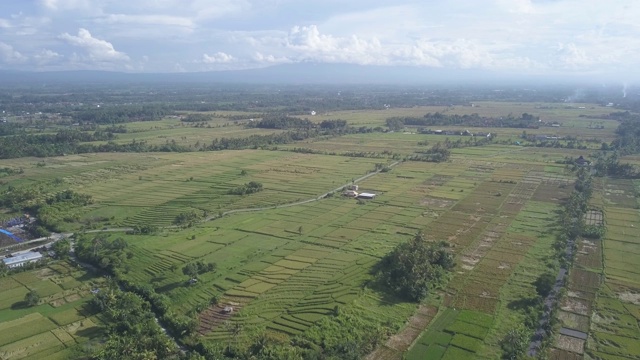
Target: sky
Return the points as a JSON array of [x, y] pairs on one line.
[[579, 37]]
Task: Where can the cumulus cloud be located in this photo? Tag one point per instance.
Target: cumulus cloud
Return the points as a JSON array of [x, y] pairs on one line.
[[65, 4], [537, 35], [9, 55], [160, 20], [308, 43], [217, 58], [47, 56], [270, 59], [96, 49]]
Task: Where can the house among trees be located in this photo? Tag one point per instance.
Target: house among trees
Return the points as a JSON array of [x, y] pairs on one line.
[[581, 161]]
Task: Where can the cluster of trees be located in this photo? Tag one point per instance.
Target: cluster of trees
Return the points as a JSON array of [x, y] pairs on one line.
[[258, 141], [572, 216], [248, 188], [628, 134], [132, 330], [198, 268], [52, 209], [196, 118], [416, 267], [42, 145], [187, 219], [473, 120], [107, 254], [608, 164], [276, 121], [121, 113], [437, 153]]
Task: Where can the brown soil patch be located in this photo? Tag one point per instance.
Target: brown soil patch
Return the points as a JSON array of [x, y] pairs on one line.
[[630, 297], [45, 274], [436, 202], [57, 303], [215, 315], [569, 343], [73, 297], [576, 305], [400, 342], [557, 354]]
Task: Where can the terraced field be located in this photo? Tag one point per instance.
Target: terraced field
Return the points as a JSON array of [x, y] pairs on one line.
[[58, 324], [286, 270]]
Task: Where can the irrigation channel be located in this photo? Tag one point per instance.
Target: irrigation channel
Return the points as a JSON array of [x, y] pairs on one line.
[[55, 236]]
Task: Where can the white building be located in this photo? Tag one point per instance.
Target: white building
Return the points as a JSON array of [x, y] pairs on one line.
[[21, 259]]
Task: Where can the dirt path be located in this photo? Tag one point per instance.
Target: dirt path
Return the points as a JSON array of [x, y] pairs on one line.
[[213, 217], [397, 344]]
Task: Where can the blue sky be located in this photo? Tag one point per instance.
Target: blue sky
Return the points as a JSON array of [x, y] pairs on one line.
[[512, 36]]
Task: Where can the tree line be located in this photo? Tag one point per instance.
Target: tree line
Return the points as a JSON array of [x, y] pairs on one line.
[[474, 120]]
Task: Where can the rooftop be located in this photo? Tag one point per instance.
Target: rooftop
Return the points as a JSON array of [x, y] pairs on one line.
[[22, 257]]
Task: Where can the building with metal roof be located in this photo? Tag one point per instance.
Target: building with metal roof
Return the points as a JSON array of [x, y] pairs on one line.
[[21, 259]]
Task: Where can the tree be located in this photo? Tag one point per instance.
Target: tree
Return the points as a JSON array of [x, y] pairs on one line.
[[3, 269], [191, 270], [62, 248], [300, 230], [415, 267], [515, 343], [544, 284], [32, 298]]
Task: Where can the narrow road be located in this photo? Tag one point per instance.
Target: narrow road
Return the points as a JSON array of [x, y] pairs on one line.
[[550, 303], [212, 217], [56, 236]]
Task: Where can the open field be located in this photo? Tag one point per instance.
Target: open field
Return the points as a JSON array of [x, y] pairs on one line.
[[59, 322], [285, 270]]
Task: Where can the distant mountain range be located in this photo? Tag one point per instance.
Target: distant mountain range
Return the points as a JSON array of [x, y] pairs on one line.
[[301, 73]]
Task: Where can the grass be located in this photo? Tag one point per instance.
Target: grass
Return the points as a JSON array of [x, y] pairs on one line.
[[494, 204], [44, 331]]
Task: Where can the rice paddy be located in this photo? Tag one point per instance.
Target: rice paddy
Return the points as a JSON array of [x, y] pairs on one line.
[[285, 269]]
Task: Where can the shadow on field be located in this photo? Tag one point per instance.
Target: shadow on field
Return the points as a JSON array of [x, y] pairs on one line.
[[170, 287], [20, 305], [523, 304], [87, 276]]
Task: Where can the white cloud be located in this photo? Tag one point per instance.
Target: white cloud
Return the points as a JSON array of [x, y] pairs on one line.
[[270, 59], [96, 49], [60, 5], [529, 35], [9, 55], [160, 20], [217, 58], [47, 56]]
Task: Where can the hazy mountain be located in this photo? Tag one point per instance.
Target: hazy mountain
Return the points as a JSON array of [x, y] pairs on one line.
[[300, 73]]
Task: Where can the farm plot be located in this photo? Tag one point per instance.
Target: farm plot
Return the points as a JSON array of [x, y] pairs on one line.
[[452, 335], [47, 328], [156, 195], [615, 313], [620, 193]]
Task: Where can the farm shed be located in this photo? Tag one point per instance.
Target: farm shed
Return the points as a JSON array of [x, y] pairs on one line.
[[368, 196], [19, 260], [350, 193]]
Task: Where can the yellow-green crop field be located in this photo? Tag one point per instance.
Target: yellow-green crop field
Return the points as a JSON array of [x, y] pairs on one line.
[[285, 268], [58, 323]]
